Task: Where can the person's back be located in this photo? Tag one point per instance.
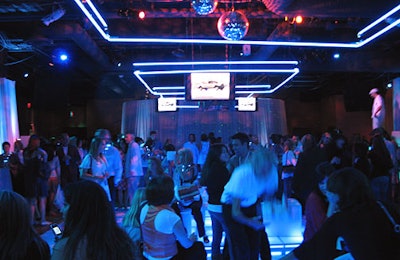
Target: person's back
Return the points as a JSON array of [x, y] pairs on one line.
[[18, 240], [304, 179], [91, 231]]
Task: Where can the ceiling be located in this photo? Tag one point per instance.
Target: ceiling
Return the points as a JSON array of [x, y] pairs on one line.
[[98, 68]]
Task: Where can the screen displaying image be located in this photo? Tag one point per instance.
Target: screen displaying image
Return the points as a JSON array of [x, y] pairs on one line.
[[210, 86], [247, 104], [166, 104]]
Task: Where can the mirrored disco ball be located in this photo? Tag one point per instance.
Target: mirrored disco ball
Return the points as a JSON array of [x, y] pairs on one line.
[[204, 7], [233, 25]]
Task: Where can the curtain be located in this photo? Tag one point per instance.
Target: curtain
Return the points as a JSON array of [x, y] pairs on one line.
[[9, 128], [141, 117], [138, 117]]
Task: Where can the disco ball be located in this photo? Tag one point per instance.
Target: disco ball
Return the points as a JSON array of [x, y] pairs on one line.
[[204, 7], [233, 25]]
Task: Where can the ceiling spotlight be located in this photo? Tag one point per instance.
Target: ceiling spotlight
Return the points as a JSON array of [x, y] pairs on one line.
[[298, 19], [119, 64], [336, 56], [63, 57], [142, 15], [26, 75], [54, 16], [389, 85]]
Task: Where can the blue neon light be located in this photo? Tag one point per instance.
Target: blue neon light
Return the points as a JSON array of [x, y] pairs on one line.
[[98, 15], [189, 63], [154, 91], [381, 19], [168, 72], [358, 44]]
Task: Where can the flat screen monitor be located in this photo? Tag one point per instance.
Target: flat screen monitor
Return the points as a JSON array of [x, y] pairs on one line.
[[210, 86], [247, 104], [166, 104]]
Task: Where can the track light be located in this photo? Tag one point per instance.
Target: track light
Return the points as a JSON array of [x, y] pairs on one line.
[[54, 16]]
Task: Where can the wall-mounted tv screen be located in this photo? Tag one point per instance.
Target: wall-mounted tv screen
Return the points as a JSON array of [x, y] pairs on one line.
[[166, 104], [210, 86], [247, 104]]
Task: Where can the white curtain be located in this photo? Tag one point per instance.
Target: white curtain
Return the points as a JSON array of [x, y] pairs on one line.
[[141, 116], [137, 117], [9, 128]]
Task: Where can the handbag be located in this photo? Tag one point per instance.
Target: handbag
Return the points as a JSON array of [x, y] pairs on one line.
[[187, 194]]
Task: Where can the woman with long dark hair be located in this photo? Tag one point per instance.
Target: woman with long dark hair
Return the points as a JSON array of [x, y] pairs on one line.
[[91, 231], [214, 176], [18, 239], [358, 222]]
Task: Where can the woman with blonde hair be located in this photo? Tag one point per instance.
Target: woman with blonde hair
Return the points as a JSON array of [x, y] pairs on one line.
[[185, 179], [258, 178]]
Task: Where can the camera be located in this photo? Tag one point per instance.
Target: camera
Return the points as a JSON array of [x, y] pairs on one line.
[[56, 231]]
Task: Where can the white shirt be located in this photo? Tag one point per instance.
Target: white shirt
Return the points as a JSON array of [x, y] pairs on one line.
[[378, 102], [114, 163], [244, 186], [133, 161]]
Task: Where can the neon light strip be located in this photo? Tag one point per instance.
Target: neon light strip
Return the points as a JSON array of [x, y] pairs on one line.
[[252, 86], [91, 19], [172, 93], [251, 92], [187, 106], [98, 15], [205, 41], [167, 72], [281, 84], [382, 18], [241, 42], [187, 63], [138, 74], [376, 35], [168, 88]]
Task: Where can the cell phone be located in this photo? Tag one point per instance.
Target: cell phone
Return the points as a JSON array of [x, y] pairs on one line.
[[56, 230]]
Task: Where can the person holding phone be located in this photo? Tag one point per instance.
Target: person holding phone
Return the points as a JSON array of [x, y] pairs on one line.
[[91, 231]]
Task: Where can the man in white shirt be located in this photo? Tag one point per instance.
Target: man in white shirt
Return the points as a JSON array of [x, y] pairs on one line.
[[378, 109], [133, 166]]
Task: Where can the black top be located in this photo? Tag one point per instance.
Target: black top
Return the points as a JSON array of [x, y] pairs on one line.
[[215, 182], [367, 233]]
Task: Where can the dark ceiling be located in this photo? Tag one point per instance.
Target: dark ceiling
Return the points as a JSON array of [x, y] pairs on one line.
[[29, 46]]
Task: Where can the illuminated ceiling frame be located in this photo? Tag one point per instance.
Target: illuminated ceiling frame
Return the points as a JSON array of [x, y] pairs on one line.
[[100, 24], [267, 67]]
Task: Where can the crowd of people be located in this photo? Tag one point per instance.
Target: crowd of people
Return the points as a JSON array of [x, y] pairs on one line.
[[337, 181]]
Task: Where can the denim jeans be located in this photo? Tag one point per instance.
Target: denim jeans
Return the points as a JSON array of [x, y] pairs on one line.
[[218, 226]]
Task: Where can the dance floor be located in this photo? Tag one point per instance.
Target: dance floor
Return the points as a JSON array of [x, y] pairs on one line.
[[280, 245]]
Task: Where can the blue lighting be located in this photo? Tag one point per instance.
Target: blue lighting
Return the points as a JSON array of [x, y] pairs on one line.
[[63, 57], [99, 23], [251, 89], [336, 55], [26, 75]]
